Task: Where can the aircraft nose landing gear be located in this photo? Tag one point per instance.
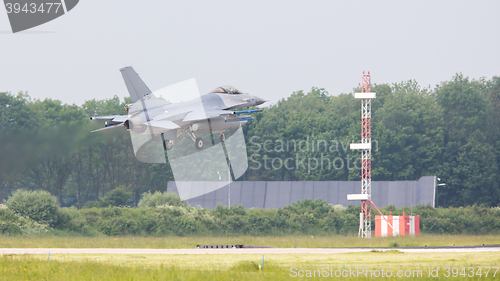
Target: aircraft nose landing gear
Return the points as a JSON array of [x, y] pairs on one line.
[[222, 137]]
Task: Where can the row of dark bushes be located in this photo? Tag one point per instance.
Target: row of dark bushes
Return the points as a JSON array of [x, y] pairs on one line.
[[164, 214]]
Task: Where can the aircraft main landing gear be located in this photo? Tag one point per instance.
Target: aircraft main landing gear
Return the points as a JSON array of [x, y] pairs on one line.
[[222, 137], [167, 144], [198, 143]]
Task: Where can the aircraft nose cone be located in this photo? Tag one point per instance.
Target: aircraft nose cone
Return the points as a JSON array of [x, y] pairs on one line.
[[259, 101]]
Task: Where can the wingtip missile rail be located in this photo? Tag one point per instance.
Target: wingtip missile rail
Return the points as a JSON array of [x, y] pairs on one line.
[[240, 119], [247, 111]]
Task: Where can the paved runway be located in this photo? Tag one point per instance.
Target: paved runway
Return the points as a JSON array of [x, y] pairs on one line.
[[242, 251]]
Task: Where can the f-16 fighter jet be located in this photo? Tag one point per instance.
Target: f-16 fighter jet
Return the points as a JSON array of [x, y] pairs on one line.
[[213, 112]]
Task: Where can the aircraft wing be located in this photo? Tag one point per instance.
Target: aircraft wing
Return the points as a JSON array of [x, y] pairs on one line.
[[158, 127], [162, 124], [205, 114], [114, 118]]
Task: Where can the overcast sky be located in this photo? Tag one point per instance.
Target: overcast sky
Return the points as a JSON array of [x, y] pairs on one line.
[[266, 48]]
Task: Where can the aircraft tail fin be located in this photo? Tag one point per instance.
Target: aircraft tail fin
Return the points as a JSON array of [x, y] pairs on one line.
[[135, 86]]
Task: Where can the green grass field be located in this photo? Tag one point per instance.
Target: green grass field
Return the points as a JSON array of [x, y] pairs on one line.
[[271, 241], [243, 266], [239, 267]]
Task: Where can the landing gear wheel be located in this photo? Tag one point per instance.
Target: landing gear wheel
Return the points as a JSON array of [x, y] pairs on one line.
[[167, 144], [222, 137], [198, 143]]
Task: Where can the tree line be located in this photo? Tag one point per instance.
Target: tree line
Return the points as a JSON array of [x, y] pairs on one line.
[[451, 130], [35, 213]]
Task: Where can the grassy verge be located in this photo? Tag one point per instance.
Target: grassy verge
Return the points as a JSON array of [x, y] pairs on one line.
[[236, 267], [272, 241]]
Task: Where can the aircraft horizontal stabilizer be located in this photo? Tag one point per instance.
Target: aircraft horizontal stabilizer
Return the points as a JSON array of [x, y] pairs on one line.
[[108, 127]]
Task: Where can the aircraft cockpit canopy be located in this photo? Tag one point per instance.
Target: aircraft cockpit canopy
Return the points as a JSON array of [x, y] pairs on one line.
[[227, 90]]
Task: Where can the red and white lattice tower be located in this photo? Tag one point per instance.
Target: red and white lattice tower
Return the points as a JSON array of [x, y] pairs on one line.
[[366, 163]]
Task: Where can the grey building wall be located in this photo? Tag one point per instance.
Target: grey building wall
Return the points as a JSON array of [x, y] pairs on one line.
[[277, 194]]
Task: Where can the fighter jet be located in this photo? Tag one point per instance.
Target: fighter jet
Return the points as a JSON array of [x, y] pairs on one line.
[[213, 112]]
